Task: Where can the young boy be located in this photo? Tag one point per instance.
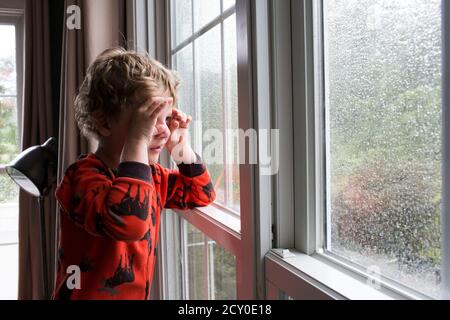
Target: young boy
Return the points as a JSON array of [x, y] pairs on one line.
[[111, 200]]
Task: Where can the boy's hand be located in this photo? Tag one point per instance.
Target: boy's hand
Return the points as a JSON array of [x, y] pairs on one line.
[[141, 130], [143, 120], [178, 145]]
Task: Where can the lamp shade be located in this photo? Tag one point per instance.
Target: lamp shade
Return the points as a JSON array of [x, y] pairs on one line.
[[34, 170]]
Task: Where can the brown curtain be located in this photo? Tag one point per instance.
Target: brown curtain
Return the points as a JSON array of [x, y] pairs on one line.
[[103, 26], [37, 127]]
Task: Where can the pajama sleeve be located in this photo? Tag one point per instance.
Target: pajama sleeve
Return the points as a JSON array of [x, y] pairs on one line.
[[117, 207], [188, 187]]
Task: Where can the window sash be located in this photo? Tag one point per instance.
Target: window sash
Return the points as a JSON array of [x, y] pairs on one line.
[[15, 17], [245, 264], [322, 174], [197, 34], [193, 42], [308, 150]]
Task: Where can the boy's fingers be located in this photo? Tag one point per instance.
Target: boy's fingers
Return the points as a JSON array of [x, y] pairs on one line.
[[154, 102], [174, 125], [170, 101], [175, 113], [180, 115], [157, 111], [186, 123]]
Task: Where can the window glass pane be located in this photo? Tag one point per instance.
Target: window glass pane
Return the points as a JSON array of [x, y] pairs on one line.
[[9, 140], [9, 198], [181, 20], [231, 105], [9, 148], [209, 93], [9, 277], [204, 12], [197, 266], [228, 3], [383, 102], [9, 143], [209, 88], [183, 63], [211, 269], [222, 273]]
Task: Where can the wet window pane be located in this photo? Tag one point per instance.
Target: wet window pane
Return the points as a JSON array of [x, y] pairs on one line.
[[197, 266], [231, 106], [228, 3], [181, 20], [383, 102], [204, 12], [183, 63], [211, 269], [209, 82], [223, 274], [209, 93]]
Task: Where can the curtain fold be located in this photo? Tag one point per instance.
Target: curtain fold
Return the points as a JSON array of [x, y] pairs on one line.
[[37, 127], [103, 26]]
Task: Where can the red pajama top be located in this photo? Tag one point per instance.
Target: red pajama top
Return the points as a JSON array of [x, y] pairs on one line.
[[109, 222]]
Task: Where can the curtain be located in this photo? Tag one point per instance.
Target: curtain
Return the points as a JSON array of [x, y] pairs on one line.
[[37, 127], [102, 26]]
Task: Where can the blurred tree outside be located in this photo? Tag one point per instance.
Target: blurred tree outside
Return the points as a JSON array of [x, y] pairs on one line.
[[9, 140], [384, 104]]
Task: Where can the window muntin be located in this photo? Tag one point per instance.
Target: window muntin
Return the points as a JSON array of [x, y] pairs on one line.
[[383, 137]]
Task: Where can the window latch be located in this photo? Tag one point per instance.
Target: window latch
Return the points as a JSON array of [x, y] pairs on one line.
[[283, 253]]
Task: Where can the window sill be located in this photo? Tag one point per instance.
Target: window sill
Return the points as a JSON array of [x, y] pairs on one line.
[[307, 277]]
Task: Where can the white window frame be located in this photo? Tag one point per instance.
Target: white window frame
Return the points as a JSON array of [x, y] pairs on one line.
[[306, 273], [13, 14], [249, 244]]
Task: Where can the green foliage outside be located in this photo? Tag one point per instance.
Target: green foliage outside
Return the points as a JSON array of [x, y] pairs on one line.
[[385, 129], [9, 146]]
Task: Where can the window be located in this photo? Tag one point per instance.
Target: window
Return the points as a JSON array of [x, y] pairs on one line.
[[210, 270], [205, 55], [206, 251], [208, 69], [10, 114], [383, 112]]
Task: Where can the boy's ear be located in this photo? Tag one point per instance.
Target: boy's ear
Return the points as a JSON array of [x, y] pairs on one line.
[[102, 123]]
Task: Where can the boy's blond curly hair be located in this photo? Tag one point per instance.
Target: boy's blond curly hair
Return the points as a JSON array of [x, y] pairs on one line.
[[120, 79]]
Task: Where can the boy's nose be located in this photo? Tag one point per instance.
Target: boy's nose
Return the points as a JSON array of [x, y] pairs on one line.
[[162, 131]]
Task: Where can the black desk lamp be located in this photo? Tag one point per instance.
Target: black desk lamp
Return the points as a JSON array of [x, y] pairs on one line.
[[34, 170]]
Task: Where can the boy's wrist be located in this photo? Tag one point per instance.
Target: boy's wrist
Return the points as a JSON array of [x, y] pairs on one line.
[[183, 154], [135, 149]]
